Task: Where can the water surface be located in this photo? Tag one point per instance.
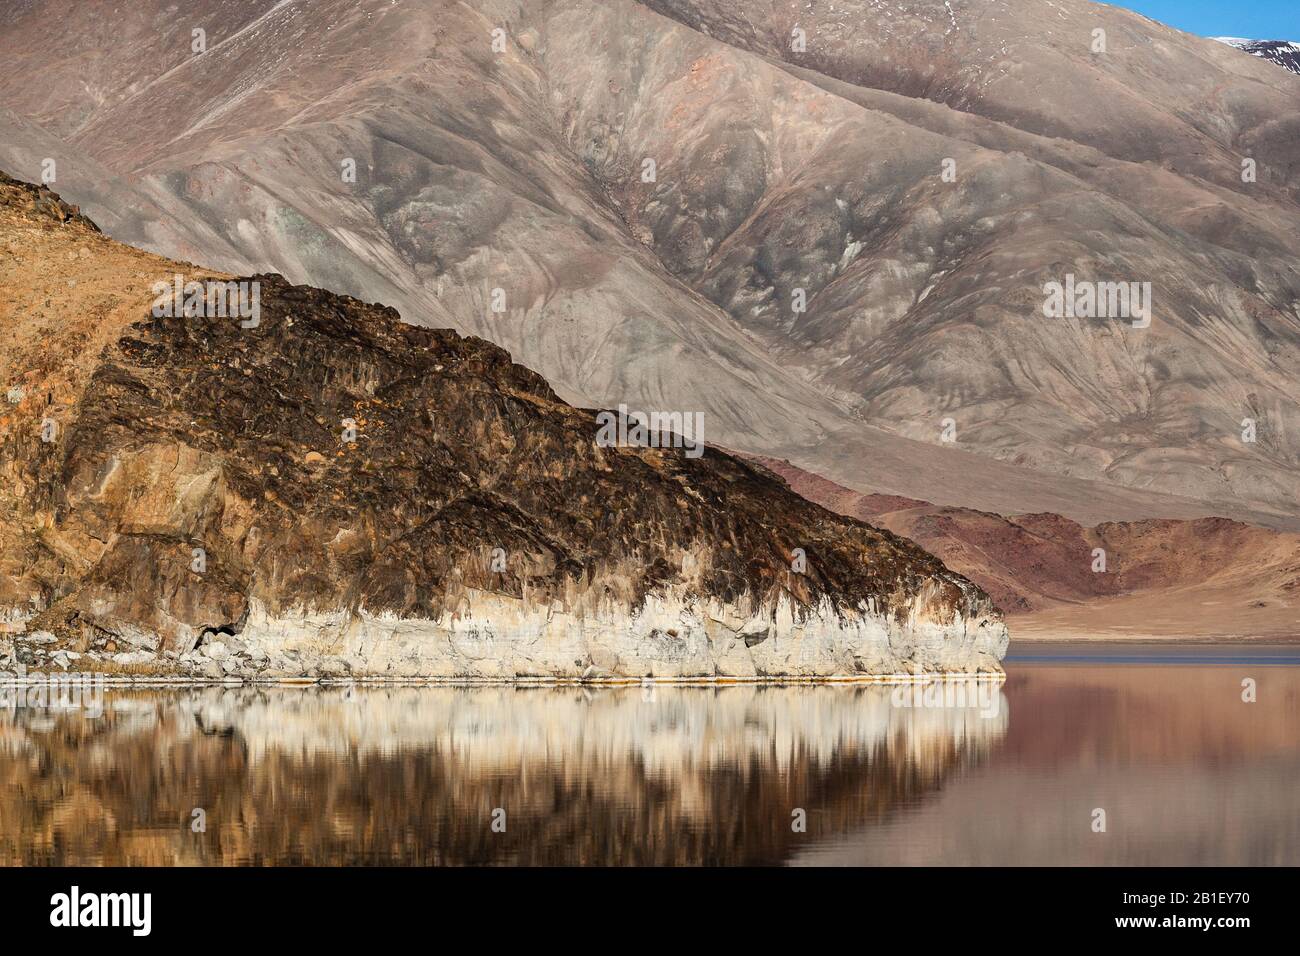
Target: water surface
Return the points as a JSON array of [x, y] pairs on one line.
[[1161, 739]]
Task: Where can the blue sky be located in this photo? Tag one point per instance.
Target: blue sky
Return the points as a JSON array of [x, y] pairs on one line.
[[1252, 19]]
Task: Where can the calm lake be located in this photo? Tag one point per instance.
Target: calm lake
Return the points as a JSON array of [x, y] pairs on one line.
[[1160, 739]]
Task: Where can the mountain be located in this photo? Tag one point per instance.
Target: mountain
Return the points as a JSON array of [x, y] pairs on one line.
[[1282, 52], [1200, 579], [645, 191], [238, 476]]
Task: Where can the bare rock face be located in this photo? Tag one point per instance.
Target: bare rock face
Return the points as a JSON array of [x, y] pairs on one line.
[[321, 489], [28, 199]]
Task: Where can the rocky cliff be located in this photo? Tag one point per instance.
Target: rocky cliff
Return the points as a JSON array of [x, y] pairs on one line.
[[288, 482]]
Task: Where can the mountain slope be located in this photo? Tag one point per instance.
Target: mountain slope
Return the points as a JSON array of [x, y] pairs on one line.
[[313, 486], [1203, 579], [514, 179]]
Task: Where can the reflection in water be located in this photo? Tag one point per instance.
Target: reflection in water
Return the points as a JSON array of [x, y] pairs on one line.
[[1188, 772], [632, 775]]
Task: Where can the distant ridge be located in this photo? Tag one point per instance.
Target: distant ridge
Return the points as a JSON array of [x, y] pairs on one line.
[[1284, 53]]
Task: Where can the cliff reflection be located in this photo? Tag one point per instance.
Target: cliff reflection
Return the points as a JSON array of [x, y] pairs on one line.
[[662, 775]]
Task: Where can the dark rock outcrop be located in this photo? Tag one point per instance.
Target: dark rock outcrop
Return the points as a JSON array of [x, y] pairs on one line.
[[326, 489], [40, 201]]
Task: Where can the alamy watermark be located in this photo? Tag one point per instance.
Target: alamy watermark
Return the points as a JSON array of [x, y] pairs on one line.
[[213, 299], [623, 429], [70, 692], [133, 911], [981, 696], [1083, 299]]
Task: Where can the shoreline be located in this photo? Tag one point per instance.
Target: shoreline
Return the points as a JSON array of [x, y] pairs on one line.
[[1233, 639], [85, 677]]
